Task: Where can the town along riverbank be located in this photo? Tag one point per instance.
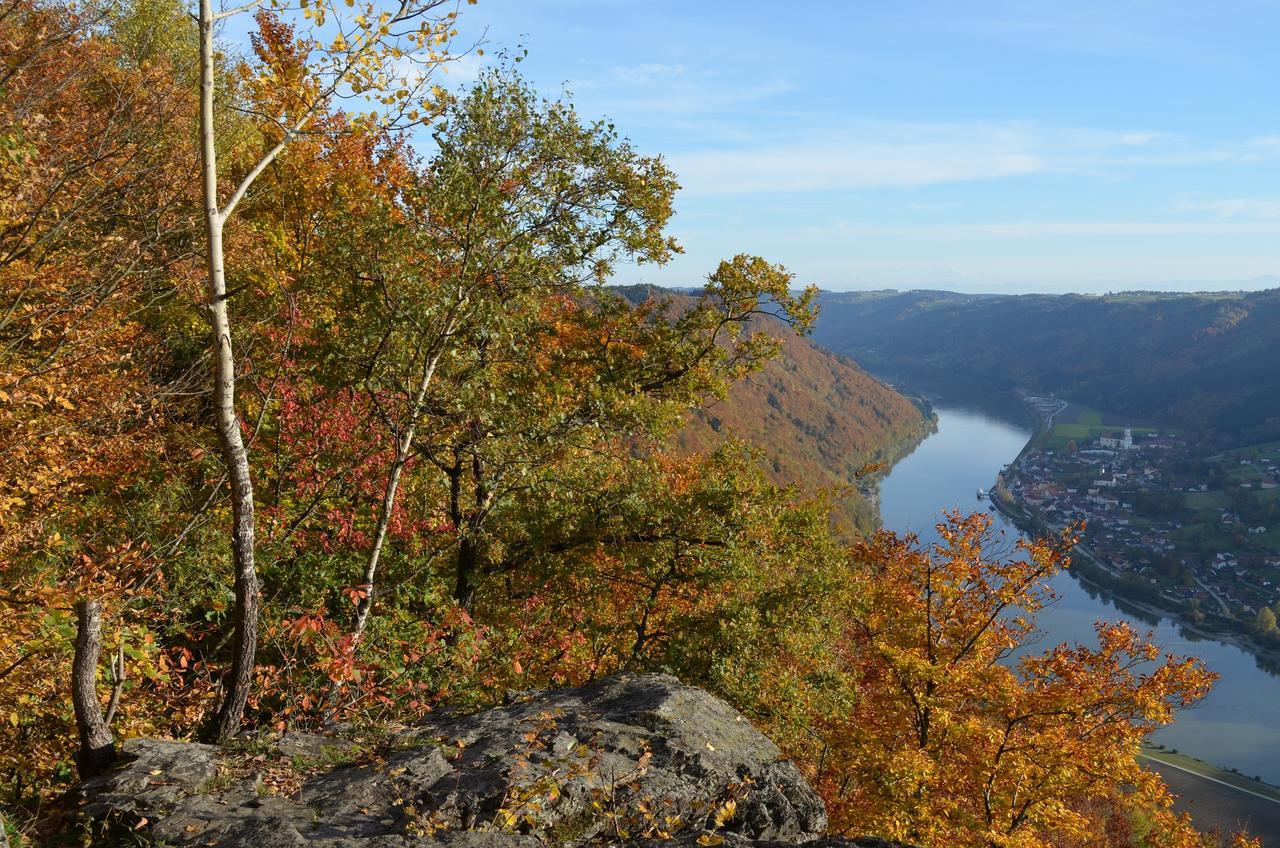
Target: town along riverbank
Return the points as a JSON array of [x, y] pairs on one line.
[[1172, 531], [1236, 726]]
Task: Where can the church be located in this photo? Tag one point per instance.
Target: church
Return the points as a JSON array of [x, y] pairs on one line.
[[1111, 440]]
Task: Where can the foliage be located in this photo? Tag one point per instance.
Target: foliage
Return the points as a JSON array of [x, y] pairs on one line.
[[928, 719], [451, 412]]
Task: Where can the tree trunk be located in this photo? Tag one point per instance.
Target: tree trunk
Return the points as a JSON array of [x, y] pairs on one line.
[[97, 747], [403, 446], [468, 565], [239, 679], [464, 590]]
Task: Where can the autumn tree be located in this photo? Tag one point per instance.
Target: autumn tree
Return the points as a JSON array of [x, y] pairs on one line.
[[580, 378], [94, 233], [1265, 623], [662, 561], [493, 323], [929, 718], [370, 56]]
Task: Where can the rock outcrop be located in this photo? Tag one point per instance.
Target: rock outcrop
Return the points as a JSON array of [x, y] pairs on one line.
[[633, 759]]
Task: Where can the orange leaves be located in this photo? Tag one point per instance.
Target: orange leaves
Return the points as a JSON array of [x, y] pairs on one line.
[[947, 740]]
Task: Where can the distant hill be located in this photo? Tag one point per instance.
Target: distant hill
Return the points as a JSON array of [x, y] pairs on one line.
[[1209, 363], [817, 416]]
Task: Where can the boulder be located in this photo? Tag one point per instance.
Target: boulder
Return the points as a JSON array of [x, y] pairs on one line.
[[629, 759]]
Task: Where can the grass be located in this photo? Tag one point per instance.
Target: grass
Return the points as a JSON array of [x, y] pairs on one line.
[[1079, 431], [1200, 501], [1268, 450], [1243, 473], [1082, 423]]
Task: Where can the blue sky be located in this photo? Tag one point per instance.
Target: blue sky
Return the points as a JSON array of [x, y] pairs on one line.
[[976, 146]]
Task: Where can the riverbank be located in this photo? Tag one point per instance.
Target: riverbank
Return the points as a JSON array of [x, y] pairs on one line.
[[889, 456], [1238, 724], [1217, 798], [1123, 585]]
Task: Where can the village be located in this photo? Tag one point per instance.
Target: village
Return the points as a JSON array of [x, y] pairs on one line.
[[1199, 534]]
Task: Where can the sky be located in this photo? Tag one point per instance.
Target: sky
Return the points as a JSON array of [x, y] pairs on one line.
[[975, 146]]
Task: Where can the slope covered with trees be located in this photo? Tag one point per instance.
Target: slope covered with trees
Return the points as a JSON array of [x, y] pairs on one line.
[[1204, 362], [396, 443], [818, 419]]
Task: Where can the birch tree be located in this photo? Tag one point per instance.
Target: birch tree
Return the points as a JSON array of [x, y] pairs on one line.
[[373, 60]]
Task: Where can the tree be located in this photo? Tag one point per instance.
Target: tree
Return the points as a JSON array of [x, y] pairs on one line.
[[94, 234], [493, 322], [1265, 624], [364, 61], [927, 720]]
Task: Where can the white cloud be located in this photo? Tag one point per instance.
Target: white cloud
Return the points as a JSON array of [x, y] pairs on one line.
[[1237, 207], [1042, 229], [851, 166], [885, 155]]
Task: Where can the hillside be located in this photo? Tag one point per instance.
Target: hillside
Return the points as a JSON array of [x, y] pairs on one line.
[[817, 416], [1204, 362]]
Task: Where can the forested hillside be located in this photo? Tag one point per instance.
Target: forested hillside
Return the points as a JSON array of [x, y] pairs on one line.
[[1205, 362], [304, 428], [817, 417]]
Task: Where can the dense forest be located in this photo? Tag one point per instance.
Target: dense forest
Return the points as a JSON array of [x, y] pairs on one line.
[[1203, 362], [819, 419], [317, 410]]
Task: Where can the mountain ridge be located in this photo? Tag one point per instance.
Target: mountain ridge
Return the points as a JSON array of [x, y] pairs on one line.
[[1200, 362]]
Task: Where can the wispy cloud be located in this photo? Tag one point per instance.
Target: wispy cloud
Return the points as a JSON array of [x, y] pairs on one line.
[[646, 73], [886, 155], [849, 166], [1042, 229], [1236, 207]]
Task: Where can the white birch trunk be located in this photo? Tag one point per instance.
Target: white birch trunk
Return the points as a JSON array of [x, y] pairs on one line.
[[239, 679]]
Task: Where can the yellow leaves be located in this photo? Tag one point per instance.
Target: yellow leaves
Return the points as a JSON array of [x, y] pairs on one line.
[[725, 812]]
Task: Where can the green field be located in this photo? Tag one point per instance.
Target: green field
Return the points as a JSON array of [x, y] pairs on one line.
[[1200, 501], [1083, 424], [1265, 450]]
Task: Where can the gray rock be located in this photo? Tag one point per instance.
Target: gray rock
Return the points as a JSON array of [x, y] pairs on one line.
[[618, 761], [153, 777]]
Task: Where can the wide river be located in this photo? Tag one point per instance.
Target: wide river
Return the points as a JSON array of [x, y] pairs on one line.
[[1236, 726]]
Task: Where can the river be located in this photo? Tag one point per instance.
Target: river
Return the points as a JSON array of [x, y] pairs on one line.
[[1236, 726]]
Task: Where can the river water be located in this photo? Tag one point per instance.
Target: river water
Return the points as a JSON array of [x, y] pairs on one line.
[[1236, 726]]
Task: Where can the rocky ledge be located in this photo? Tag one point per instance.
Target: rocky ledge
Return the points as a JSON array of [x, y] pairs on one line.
[[631, 759]]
